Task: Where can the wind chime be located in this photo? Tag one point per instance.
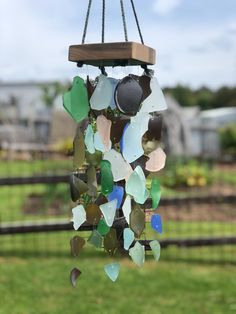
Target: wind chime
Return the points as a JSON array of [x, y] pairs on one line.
[[116, 149]]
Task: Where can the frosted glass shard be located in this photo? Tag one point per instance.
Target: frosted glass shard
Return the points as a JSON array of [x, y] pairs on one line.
[[94, 159], [126, 208], [136, 185], [95, 239], [76, 244], [76, 101], [156, 223], [156, 249], [156, 101], [103, 228], [143, 119], [119, 167], [141, 199], [74, 275], [93, 214], [137, 253], [98, 144], [114, 83], [101, 98], [128, 95], [112, 271], [77, 187], [110, 242], [78, 149], [92, 181], [157, 160], [104, 130], [106, 177], [128, 238], [117, 194], [137, 221], [154, 128], [155, 192], [89, 139], [79, 216], [109, 210]]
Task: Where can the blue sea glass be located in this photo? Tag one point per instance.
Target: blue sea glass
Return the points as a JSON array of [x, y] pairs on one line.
[[156, 249], [156, 223], [89, 139], [79, 216], [137, 253], [101, 97], [95, 239], [122, 138], [126, 208], [117, 193], [109, 210], [128, 238], [112, 271]]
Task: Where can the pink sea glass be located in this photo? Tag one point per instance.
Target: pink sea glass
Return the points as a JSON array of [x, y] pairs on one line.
[[104, 130], [157, 160]]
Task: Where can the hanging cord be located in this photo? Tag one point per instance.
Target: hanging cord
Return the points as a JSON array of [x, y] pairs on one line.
[[124, 20], [137, 22], [103, 20], [86, 21]]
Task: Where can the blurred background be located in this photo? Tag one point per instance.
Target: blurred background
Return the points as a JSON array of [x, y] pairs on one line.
[[196, 67]]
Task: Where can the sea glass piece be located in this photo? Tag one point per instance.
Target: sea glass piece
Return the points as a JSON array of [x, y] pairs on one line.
[[76, 244], [79, 216], [93, 159], [126, 208], [117, 128], [101, 98], [156, 249], [78, 149], [109, 210], [117, 193], [95, 239], [137, 221], [156, 100], [103, 228], [89, 139], [101, 199], [77, 187], [154, 128], [76, 101], [106, 177], [90, 87], [112, 271], [141, 161], [156, 223], [93, 214], [128, 95], [137, 253], [119, 167], [155, 192], [143, 120], [74, 275], [92, 181], [157, 160], [98, 144], [104, 130], [136, 186], [144, 82], [128, 238], [114, 83], [110, 242]]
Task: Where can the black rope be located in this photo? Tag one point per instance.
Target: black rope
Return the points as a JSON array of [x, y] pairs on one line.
[[137, 22], [103, 20], [124, 20], [86, 21]]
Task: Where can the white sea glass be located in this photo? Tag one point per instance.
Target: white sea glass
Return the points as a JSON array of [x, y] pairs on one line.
[[119, 167], [102, 95], [89, 139], [112, 271], [128, 238], [142, 118], [114, 83], [137, 254], [98, 144], [157, 160], [109, 210], [79, 216], [104, 130], [136, 186], [156, 249], [126, 208], [156, 100]]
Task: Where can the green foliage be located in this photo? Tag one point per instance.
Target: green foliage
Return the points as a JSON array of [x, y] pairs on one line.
[[228, 138], [51, 92]]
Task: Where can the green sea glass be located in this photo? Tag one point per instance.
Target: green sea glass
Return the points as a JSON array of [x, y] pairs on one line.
[[109, 210], [156, 249], [93, 159], [76, 101], [74, 275], [156, 100], [76, 244], [126, 208], [79, 216], [103, 228], [128, 238], [136, 186], [137, 221], [106, 177], [155, 192], [89, 139], [93, 214], [110, 242], [92, 181], [95, 239], [112, 271], [102, 95], [79, 150], [137, 253]]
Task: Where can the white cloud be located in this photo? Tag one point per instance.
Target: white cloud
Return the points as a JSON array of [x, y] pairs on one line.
[[165, 6]]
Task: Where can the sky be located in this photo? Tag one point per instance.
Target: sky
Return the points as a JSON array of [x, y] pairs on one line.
[[195, 40]]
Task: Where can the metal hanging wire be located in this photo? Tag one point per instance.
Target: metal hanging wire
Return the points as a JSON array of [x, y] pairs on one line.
[[124, 19], [103, 19], [137, 21], [86, 21]]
